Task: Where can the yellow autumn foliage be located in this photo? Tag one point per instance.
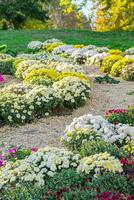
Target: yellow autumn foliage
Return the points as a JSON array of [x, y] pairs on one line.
[[115, 15]]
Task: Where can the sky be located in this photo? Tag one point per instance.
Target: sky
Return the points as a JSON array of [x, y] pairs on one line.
[[87, 9]]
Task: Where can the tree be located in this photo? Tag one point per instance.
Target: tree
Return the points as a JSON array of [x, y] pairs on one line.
[[102, 20], [110, 14], [113, 14], [15, 12], [65, 14]]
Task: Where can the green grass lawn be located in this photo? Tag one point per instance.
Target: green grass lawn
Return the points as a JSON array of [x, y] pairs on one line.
[[18, 40]]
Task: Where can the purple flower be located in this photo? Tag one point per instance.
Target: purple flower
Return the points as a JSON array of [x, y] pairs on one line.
[[34, 149], [1, 78], [12, 150], [2, 162]]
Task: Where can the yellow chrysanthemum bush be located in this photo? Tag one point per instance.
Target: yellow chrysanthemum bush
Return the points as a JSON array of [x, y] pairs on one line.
[[43, 76], [119, 65], [16, 62], [115, 52], [109, 61], [73, 91], [99, 163], [81, 76], [47, 74], [129, 147], [78, 46], [50, 47], [35, 66]]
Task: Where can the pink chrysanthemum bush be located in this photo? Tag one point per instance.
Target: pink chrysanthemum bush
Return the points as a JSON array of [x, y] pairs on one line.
[[2, 80], [124, 116]]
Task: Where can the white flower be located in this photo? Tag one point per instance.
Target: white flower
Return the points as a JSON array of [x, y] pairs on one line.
[[29, 113], [24, 111], [18, 116], [110, 133], [10, 118], [46, 114], [23, 117], [31, 107], [50, 173]]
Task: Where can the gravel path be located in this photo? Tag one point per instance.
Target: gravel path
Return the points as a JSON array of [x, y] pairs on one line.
[[49, 130]]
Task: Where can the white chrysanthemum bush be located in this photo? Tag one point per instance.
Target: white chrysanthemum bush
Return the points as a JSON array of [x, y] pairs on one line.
[[35, 46], [15, 109], [73, 91], [69, 92], [82, 127], [36, 168], [18, 89], [44, 100]]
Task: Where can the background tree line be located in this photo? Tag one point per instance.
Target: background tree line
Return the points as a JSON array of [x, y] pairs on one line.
[[39, 14]]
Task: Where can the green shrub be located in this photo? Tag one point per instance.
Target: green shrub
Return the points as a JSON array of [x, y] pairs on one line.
[[6, 66], [5, 50], [80, 194], [34, 24], [112, 182], [131, 115], [106, 79], [78, 137], [2, 48], [94, 147], [69, 185]]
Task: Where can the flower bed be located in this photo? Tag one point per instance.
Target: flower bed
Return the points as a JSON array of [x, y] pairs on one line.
[[22, 103], [117, 65], [57, 173], [98, 161], [48, 85], [124, 116], [99, 166]]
